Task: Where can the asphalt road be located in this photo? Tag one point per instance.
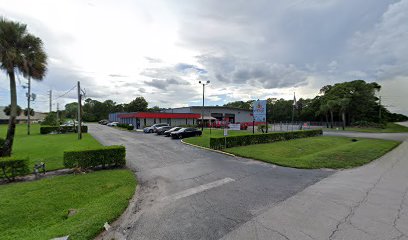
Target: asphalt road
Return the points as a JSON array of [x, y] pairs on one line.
[[189, 193]]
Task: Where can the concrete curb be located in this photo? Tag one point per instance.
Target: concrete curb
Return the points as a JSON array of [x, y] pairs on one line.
[[209, 149]]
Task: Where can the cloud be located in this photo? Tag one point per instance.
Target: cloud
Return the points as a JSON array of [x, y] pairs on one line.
[[153, 60], [230, 70], [246, 49], [164, 84]]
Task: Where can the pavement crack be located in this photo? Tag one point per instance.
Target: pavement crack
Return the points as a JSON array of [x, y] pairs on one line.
[[272, 230], [347, 218], [310, 236], [398, 216]]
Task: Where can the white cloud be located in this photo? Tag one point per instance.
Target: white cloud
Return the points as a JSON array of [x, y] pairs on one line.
[[161, 49]]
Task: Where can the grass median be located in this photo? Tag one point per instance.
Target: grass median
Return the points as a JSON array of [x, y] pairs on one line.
[[40, 209], [204, 140], [317, 152], [389, 128], [46, 148]]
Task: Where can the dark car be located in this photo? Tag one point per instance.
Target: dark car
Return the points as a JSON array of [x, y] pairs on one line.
[[161, 130], [168, 132], [185, 133]]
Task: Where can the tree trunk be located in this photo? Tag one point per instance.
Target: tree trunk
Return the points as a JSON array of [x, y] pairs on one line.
[[8, 144], [331, 119], [327, 120], [343, 117]]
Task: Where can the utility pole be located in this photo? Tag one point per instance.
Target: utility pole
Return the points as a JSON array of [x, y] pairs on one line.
[[58, 113], [28, 105], [379, 112], [293, 107], [79, 111], [50, 100]]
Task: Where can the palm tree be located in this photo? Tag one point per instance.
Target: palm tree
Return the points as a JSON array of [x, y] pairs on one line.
[[331, 105], [344, 105], [324, 109], [21, 51]]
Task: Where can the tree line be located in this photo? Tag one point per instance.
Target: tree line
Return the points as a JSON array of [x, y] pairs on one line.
[[94, 110], [351, 103]]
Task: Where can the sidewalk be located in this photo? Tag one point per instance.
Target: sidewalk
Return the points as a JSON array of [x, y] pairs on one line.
[[369, 202]]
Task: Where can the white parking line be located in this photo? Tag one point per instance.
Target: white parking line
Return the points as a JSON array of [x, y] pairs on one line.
[[198, 189]]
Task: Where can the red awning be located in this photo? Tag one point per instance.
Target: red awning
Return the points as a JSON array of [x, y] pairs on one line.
[[159, 115]]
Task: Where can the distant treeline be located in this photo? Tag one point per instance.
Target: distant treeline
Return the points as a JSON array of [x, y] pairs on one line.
[[348, 102], [94, 110]]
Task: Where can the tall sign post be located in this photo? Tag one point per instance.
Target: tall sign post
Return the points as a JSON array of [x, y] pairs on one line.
[[259, 111], [79, 111]]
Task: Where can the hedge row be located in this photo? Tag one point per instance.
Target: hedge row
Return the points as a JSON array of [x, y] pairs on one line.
[[61, 129], [243, 140], [103, 156], [126, 126], [12, 167]]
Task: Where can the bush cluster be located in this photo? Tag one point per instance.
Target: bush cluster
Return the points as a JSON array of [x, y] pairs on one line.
[[13, 167], [243, 140], [102, 156], [61, 129], [126, 126], [366, 124]]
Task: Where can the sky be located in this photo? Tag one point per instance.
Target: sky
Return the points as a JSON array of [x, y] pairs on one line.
[[257, 49]]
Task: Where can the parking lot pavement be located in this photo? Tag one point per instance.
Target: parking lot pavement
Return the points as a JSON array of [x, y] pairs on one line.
[[191, 193]]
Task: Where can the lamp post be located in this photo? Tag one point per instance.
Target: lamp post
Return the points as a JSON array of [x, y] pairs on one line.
[[202, 110]]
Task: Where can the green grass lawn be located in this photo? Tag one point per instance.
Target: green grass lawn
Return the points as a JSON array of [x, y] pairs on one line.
[[39, 209], [390, 128], [204, 140], [46, 148], [317, 152]]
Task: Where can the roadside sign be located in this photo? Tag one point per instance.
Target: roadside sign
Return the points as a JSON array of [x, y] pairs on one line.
[[225, 132], [234, 126], [259, 110]]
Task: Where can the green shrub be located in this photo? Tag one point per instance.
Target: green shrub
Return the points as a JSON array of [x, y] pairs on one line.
[[366, 124], [250, 139], [125, 126], [12, 167], [103, 156], [84, 129], [50, 120], [48, 129], [62, 129], [261, 128]]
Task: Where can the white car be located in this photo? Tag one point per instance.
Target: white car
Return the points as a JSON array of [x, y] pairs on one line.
[[112, 124]]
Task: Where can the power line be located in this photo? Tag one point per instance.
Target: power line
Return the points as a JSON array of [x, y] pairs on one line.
[[64, 94]]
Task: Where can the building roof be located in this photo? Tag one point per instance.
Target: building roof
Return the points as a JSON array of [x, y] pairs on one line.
[[219, 107], [159, 115]]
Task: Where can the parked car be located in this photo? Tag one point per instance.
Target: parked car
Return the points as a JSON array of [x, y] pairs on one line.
[[112, 124], [153, 128], [104, 122], [161, 130], [186, 132], [168, 132]]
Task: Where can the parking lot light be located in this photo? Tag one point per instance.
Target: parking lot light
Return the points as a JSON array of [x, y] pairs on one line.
[[202, 110]]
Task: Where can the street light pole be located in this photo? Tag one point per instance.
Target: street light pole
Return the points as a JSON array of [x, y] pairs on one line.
[[202, 110]]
